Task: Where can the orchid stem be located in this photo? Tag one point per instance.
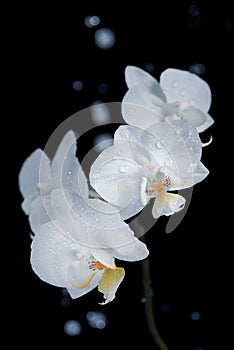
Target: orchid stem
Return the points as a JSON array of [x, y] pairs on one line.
[[149, 306]]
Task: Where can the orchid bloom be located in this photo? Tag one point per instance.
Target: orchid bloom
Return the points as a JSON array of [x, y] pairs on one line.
[[39, 176], [145, 164], [179, 94], [77, 250]]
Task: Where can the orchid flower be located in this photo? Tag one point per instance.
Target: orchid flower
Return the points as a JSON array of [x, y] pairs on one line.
[[179, 94], [77, 250], [39, 176], [145, 164]]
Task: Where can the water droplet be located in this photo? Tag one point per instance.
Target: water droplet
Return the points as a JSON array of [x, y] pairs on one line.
[[175, 84], [159, 144], [77, 85], [72, 327], [150, 67], [182, 93], [95, 176], [104, 38], [91, 21], [197, 68], [96, 319], [124, 168], [194, 10], [195, 316], [103, 88]]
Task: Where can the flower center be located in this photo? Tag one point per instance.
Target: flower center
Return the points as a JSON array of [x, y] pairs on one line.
[[96, 265], [157, 186]]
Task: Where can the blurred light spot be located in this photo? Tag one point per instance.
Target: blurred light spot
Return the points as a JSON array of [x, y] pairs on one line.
[[91, 21], [100, 113], [72, 327], [102, 141], [229, 24], [96, 319], [197, 68], [165, 308], [66, 302], [195, 316], [103, 88], [77, 85], [150, 67], [104, 38], [198, 348], [194, 10], [143, 300]]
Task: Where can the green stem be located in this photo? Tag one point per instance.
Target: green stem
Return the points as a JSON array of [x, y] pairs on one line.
[[149, 306]]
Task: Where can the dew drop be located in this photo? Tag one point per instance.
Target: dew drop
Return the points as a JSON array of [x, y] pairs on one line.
[[175, 84], [182, 93], [123, 168], [131, 111], [159, 144], [95, 176]]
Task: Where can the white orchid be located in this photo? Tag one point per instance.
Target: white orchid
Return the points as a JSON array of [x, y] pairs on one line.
[[77, 250], [39, 176], [179, 94], [147, 163]]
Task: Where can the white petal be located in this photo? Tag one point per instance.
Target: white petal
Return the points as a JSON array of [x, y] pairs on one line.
[[209, 121], [35, 166], [141, 108], [27, 202], [193, 115], [167, 204], [185, 87], [117, 178], [92, 223], [77, 292], [80, 273], [66, 168], [132, 252], [41, 212], [51, 255], [136, 76], [184, 148]]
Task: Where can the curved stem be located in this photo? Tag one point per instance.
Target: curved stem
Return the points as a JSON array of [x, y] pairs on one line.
[[149, 306]]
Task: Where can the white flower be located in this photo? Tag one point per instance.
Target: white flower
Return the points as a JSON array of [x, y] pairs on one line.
[[147, 163], [77, 250], [39, 176], [179, 94]]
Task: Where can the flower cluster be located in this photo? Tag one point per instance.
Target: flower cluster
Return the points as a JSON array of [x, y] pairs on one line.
[[77, 238]]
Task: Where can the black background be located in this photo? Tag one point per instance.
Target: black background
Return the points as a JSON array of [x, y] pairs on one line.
[[49, 48]]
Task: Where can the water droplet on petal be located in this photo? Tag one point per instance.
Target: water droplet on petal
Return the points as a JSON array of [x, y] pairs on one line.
[[175, 84], [182, 93], [159, 144], [123, 168], [131, 111], [95, 176]]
